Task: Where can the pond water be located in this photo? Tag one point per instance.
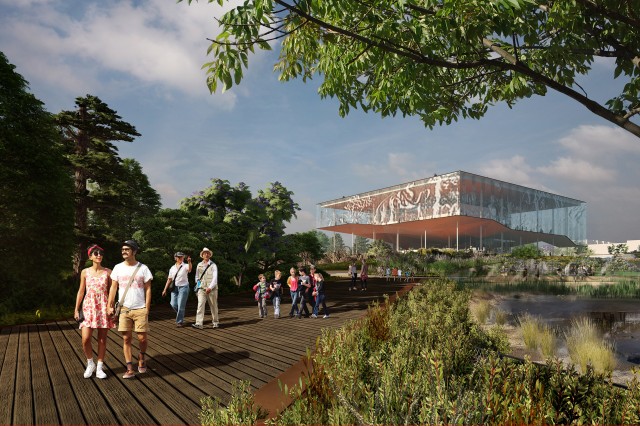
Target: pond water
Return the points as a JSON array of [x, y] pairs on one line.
[[619, 319]]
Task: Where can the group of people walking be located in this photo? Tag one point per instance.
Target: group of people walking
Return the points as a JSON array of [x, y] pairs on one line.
[[206, 288], [130, 280], [305, 290]]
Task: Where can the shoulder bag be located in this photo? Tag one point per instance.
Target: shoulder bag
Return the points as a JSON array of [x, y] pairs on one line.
[[116, 313], [199, 281], [173, 281]]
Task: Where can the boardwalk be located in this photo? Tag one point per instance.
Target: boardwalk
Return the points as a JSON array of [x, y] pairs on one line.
[[41, 377]]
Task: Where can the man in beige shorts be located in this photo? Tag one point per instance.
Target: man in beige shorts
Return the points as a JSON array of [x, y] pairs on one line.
[[135, 301]]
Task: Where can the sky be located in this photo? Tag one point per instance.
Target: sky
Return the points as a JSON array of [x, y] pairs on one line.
[[144, 58]]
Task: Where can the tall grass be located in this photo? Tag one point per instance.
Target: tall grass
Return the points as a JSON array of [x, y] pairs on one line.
[[530, 329], [537, 335], [482, 311], [547, 342], [587, 346], [501, 317], [621, 288]]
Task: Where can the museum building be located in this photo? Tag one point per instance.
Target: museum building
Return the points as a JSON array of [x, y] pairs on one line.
[[458, 210]]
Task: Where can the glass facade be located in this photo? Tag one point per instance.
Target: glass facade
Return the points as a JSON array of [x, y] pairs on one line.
[[522, 212]]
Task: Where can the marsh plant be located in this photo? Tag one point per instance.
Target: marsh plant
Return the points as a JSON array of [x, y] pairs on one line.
[[424, 360], [501, 317], [530, 329], [586, 346], [482, 311], [537, 335]]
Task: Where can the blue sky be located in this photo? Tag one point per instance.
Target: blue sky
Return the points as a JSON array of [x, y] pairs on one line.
[[144, 58]]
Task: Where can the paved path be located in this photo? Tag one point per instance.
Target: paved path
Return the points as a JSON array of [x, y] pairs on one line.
[[41, 365]]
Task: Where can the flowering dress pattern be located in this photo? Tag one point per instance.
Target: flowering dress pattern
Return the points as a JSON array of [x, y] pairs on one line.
[[95, 301]]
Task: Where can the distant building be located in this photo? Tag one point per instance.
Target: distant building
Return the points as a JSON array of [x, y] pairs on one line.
[[601, 249], [458, 210]]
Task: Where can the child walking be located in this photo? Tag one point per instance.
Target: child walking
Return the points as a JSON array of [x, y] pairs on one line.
[[276, 293], [261, 289], [320, 297]]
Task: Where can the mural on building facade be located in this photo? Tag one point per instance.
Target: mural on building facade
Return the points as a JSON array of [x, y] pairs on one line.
[[461, 193]]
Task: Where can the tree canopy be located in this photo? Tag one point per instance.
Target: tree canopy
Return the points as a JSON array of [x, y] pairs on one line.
[[441, 60], [251, 228], [36, 203], [109, 192]]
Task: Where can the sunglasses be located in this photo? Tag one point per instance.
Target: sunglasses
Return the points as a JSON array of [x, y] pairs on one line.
[[126, 249], [97, 253]]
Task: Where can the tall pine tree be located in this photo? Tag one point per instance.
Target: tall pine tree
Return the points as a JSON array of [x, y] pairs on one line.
[[89, 133]]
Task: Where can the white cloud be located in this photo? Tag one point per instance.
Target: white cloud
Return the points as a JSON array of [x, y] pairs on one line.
[[155, 42], [600, 144], [514, 170], [572, 169]]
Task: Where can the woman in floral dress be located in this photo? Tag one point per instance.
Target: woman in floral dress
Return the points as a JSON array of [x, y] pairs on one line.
[[94, 287]]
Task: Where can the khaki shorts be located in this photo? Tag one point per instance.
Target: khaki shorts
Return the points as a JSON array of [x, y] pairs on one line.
[[133, 320]]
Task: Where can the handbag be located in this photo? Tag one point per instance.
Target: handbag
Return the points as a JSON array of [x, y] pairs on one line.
[[118, 306], [81, 312]]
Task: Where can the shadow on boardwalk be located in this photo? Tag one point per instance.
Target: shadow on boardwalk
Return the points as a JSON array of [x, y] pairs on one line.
[[42, 365]]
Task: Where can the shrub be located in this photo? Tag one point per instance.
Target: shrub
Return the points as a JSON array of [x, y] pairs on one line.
[[432, 364], [240, 411]]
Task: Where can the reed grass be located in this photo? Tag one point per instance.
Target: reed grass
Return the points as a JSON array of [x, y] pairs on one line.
[[547, 341], [538, 335], [587, 346], [530, 328], [482, 311], [622, 288], [501, 317]]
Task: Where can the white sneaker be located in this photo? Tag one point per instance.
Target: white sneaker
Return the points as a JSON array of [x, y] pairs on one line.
[[326, 316], [100, 374], [91, 367]]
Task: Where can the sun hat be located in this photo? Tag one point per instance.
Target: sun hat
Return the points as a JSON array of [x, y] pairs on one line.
[[206, 249], [92, 248], [179, 254]]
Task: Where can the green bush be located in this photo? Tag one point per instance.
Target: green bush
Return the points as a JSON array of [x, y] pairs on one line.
[[240, 411], [424, 361]]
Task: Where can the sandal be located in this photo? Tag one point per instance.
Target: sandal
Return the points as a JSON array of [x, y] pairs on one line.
[[142, 365], [129, 374]]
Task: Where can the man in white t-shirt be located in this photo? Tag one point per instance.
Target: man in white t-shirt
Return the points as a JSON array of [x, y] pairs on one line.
[[135, 303]]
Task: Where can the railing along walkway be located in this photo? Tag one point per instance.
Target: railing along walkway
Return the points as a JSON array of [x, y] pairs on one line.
[[41, 371]]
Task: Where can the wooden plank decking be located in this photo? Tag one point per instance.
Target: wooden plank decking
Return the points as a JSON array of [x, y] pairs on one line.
[[41, 378]]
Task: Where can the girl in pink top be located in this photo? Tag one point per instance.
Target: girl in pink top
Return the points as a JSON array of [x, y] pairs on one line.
[[292, 282]]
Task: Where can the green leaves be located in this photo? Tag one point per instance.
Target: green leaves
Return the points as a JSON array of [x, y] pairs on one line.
[[432, 58]]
